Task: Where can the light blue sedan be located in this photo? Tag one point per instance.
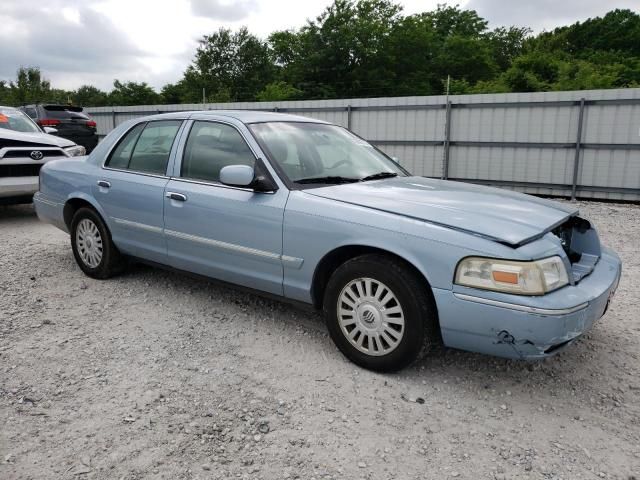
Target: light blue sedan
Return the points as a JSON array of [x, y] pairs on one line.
[[307, 211]]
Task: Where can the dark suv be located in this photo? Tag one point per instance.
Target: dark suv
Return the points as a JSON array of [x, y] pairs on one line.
[[70, 122]]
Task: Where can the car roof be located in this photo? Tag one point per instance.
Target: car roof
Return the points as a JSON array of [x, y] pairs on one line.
[[244, 116], [8, 108]]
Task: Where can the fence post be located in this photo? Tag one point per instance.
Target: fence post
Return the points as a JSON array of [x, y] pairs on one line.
[[447, 138], [113, 118], [576, 160], [348, 117]]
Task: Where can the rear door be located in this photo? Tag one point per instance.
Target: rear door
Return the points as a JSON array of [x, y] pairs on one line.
[[233, 234], [131, 186]]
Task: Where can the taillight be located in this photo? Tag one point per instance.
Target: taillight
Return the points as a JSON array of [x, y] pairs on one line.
[[48, 122], [91, 123]]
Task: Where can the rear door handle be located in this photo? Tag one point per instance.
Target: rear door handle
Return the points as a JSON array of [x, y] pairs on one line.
[[177, 196], [104, 184]]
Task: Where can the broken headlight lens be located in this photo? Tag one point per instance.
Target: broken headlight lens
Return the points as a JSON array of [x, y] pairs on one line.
[[521, 278]]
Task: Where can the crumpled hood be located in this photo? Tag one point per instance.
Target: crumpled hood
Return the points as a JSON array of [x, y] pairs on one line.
[[11, 138], [502, 215]]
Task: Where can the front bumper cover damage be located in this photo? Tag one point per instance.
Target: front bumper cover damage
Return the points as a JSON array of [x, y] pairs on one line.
[[543, 327]]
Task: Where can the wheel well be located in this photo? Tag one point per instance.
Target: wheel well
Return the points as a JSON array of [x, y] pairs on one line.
[[337, 257], [71, 207]]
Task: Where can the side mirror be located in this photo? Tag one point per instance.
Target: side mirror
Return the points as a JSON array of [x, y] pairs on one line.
[[237, 175], [50, 130]]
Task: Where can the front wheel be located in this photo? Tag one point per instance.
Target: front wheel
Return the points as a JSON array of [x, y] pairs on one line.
[[380, 313], [92, 246]]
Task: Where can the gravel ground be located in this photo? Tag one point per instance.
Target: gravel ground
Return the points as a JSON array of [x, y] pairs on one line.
[[156, 375]]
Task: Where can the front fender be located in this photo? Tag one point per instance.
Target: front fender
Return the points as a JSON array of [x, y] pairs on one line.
[[314, 227]]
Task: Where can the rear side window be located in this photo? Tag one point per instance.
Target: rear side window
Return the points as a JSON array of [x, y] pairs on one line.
[[212, 146], [146, 147], [122, 153], [31, 111], [151, 152]]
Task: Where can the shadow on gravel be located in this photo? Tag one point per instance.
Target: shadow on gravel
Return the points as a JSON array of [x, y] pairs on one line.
[[565, 372], [441, 365], [17, 212], [252, 301]]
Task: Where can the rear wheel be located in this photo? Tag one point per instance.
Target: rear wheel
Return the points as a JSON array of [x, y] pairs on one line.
[[380, 313], [93, 249]]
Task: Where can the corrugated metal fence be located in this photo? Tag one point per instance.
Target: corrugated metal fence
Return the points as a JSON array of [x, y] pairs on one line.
[[583, 143]]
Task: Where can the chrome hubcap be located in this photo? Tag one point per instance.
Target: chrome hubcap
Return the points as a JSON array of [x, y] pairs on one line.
[[370, 316], [89, 243]]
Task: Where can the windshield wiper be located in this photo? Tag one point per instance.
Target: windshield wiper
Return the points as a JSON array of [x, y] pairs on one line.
[[378, 176], [327, 179]]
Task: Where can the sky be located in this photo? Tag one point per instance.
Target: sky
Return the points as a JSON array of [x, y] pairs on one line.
[[77, 42]]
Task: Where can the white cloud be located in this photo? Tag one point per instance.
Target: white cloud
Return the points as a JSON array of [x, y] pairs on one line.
[[224, 10], [544, 14], [75, 45]]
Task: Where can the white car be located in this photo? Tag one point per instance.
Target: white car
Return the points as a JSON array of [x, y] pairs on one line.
[[24, 148]]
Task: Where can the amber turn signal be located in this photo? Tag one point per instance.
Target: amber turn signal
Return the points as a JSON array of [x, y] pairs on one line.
[[505, 277]]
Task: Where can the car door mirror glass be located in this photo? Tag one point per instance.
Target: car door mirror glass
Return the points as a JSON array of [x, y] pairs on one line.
[[237, 175]]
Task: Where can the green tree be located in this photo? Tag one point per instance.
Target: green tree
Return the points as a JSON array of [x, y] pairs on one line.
[[454, 21], [6, 96], [90, 96], [412, 50], [357, 48], [340, 53], [278, 91], [228, 66], [133, 93], [173, 93], [507, 44], [29, 86], [617, 31]]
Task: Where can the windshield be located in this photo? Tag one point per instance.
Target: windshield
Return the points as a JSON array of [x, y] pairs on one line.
[[11, 119], [319, 153]]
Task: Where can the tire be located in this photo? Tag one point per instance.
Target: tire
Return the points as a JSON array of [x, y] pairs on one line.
[[93, 249], [395, 330]]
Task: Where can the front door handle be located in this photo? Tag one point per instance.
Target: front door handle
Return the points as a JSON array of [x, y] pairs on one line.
[[177, 196], [104, 184]]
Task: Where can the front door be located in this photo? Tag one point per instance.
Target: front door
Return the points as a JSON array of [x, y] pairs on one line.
[[130, 188], [232, 234]]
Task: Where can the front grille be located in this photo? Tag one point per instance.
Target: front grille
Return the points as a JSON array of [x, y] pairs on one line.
[[27, 153], [581, 244], [20, 170]]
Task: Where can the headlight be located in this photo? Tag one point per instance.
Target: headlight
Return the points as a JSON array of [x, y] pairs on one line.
[[522, 278], [75, 151]]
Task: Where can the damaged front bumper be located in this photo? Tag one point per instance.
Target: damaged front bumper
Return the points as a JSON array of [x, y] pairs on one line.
[[526, 327]]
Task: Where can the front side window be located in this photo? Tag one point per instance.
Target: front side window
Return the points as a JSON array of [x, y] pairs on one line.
[[320, 153], [212, 146], [146, 147]]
